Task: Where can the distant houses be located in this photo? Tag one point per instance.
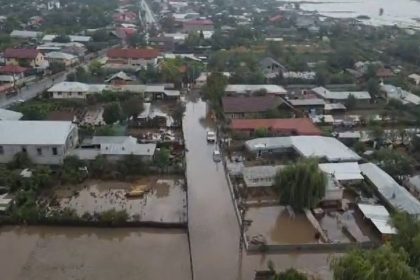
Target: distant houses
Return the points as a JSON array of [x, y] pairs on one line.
[[76, 90], [23, 57], [133, 57], [361, 97], [249, 107]]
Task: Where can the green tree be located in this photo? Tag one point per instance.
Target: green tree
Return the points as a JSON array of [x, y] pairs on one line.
[[100, 35], [261, 132], [351, 102], [162, 158], [20, 160], [112, 113], [131, 165], [321, 78], [379, 264], [408, 238], [132, 107], [301, 185], [72, 170], [373, 87], [81, 75], [137, 40], [289, 274], [394, 163], [57, 67], [95, 68], [178, 112], [193, 40], [113, 217]]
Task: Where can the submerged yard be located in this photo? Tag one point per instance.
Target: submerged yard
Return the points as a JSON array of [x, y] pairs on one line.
[[163, 200]]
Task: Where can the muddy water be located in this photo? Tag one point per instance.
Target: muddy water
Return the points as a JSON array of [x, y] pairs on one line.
[[214, 231], [44, 253], [277, 227], [165, 200]]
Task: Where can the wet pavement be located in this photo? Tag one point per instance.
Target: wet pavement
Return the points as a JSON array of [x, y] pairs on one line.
[[213, 227], [50, 253]]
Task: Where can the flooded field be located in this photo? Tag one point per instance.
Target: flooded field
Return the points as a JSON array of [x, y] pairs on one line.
[[164, 199], [277, 227], [46, 253]]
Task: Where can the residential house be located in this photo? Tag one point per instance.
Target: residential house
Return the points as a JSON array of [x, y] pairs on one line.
[[415, 78], [133, 57], [45, 142], [344, 172], [25, 34], [328, 148], [73, 38], [275, 127], [197, 25], [263, 89], [126, 16], [362, 97], [24, 57], [271, 68], [393, 194], [76, 90], [397, 93], [77, 49], [384, 73], [249, 107], [379, 217], [12, 74], [150, 92], [114, 148], [8, 115], [309, 105], [60, 57], [119, 78]]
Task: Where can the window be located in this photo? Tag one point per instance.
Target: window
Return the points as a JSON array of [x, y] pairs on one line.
[[1, 150], [54, 151], [24, 149], [39, 151]]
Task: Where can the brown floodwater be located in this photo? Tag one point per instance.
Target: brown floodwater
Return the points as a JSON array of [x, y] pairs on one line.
[[165, 200], [51, 253], [277, 227]]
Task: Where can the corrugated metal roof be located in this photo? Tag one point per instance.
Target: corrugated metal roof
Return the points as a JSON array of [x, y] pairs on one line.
[[379, 216], [342, 171], [391, 191], [34, 132]]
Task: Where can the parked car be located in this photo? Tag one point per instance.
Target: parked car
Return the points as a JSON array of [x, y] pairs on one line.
[[211, 136], [217, 156]]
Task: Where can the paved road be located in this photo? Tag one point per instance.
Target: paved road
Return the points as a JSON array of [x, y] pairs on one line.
[[32, 90], [214, 231]]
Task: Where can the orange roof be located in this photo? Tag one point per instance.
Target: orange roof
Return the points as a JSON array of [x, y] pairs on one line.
[[299, 126]]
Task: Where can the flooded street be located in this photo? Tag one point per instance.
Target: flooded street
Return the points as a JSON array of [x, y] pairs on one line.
[[213, 226], [44, 253]]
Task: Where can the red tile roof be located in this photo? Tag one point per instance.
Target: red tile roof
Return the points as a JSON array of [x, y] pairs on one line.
[[21, 53], [12, 69], [133, 53], [252, 104], [301, 126]]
